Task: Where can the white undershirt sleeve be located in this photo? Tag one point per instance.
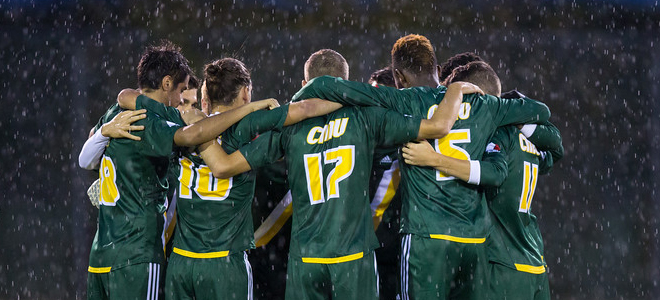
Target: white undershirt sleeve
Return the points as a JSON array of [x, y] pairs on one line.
[[475, 172], [92, 150], [528, 129]]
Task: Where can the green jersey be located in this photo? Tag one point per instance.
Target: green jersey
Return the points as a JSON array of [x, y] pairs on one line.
[[515, 240], [134, 185], [433, 204], [214, 217], [329, 161]]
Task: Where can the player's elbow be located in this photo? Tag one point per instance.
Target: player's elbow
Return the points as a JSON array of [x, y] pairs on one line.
[[222, 171]]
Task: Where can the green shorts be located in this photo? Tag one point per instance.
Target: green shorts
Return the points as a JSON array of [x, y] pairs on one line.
[[508, 283], [355, 279], [228, 277], [139, 281], [442, 269]]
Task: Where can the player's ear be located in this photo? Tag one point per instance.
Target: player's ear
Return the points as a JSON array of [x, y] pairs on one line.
[[167, 83], [304, 82]]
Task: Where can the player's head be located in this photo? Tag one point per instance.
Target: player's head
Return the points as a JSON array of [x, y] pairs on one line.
[[227, 82], [325, 62], [414, 62], [165, 71], [480, 74], [189, 96], [383, 76], [457, 60]]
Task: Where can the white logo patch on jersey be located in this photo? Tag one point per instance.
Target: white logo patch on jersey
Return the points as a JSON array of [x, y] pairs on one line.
[[171, 124], [492, 147]]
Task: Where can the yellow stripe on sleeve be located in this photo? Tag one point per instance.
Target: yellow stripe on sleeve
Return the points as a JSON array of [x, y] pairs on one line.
[[200, 255], [530, 269], [334, 260], [458, 239], [99, 270]]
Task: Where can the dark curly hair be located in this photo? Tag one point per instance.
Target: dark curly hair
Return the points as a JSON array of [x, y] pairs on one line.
[[455, 61], [383, 76], [160, 61], [224, 80]]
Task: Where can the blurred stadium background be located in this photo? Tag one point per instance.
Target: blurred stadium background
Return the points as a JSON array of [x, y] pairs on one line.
[[595, 63]]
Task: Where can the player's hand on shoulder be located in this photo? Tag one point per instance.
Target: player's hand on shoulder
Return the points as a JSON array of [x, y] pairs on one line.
[[465, 87], [192, 116], [120, 126], [269, 103]]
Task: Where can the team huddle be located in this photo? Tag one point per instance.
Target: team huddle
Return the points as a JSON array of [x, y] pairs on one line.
[[433, 163]]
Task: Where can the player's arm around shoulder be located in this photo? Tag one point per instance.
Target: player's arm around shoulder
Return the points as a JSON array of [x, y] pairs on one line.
[[445, 115]]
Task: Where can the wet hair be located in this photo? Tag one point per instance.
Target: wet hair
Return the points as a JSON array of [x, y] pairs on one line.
[[414, 53], [160, 61], [326, 62], [383, 76], [480, 74], [224, 80], [455, 61]]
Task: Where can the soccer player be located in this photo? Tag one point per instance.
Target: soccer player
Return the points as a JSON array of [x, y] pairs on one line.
[[511, 167], [329, 162], [128, 248], [444, 221]]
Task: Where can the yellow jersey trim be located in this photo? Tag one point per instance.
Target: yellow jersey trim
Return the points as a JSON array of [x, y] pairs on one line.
[[200, 255], [458, 239], [530, 269], [99, 270], [334, 260]]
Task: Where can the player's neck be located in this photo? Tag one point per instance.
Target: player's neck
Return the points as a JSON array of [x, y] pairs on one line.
[[224, 108], [426, 80], [156, 95]]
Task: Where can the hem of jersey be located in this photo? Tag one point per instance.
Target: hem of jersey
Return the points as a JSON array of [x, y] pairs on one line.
[[200, 255], [530, 269], [333, 260], [457, 239], [100, 270]]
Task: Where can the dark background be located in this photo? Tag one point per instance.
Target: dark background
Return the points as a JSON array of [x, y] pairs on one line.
[[595, 63]]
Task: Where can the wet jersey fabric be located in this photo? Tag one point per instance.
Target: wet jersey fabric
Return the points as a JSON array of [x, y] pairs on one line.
[[515, 240], [214, 216], [433, 204], [133, 195], [329, 162]]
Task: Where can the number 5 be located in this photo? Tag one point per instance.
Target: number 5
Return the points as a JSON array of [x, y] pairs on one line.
[[447, 146]]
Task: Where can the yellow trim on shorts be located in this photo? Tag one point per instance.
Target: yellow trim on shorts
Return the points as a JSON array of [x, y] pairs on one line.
[[530, 269], [334, 260], [200, 255], [458, 239], [99, 270]]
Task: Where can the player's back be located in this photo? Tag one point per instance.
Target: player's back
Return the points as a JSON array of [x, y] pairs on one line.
[[515, 237], [214, 215], [133, 194], [329, 162]]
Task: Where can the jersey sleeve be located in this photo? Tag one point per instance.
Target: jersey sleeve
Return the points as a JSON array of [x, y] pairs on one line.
[[546, 136], [494, 167], [264, 150], [169, 113], [390, 127], [261, 121], [516, 111], [352, 93], [158, 136]]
